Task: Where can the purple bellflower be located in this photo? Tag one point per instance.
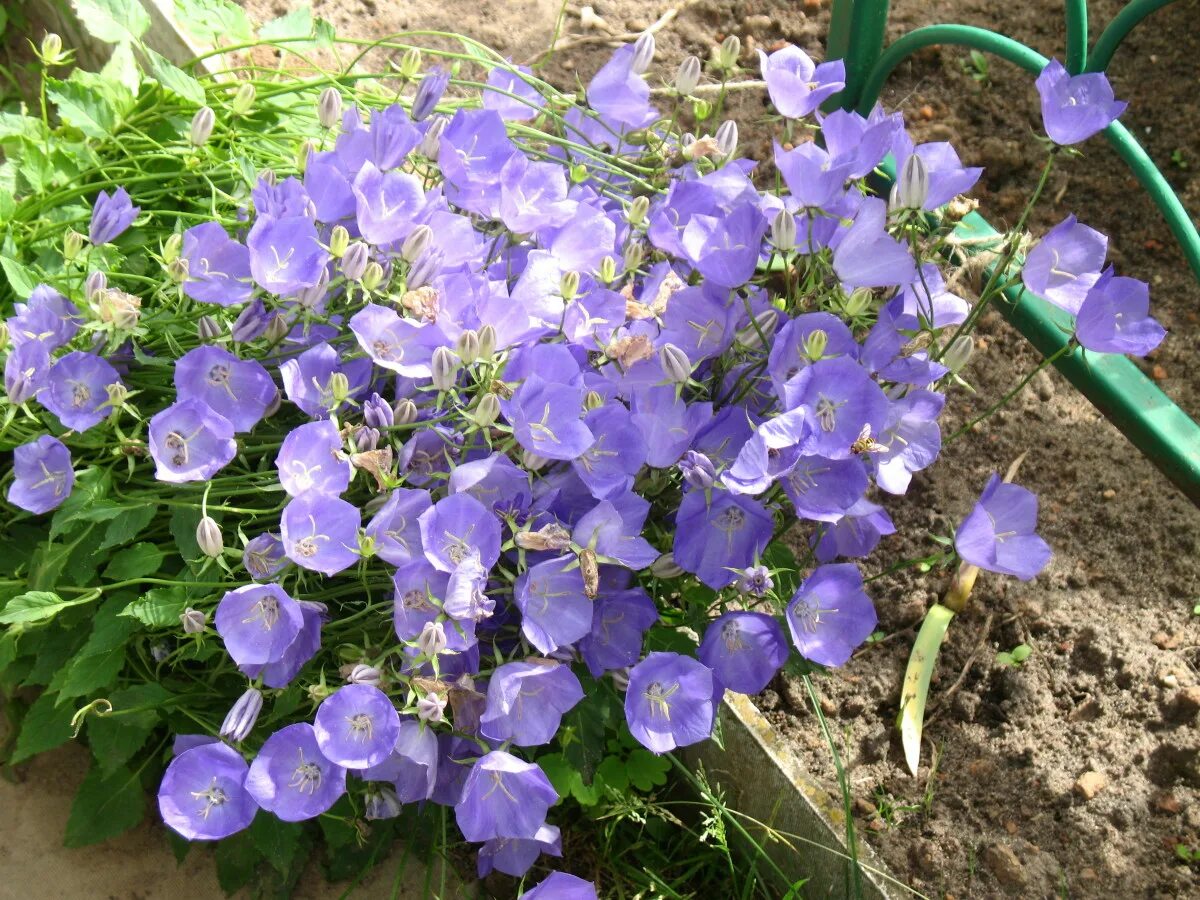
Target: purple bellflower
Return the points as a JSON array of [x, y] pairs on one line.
[[1115, 317], [503, 797], [515, 856], [555, 611], [458, 528], [671, 701], [218, 266], [561, 886], [77, 389], [292, 778], [43, 476], [241, 390], [796, 85], [830, 614], [744, 650], [998, 534], [395, 527], [111, 216], [190, 442], [203, 794], [357, 726], [855, 534], [286, 255], [620, 620], [311, 459], [1074, 107], [547, 418], [321, 532], [525, 99], [526, 701], [264, 558], [715, 540], [258, 623], [1065, 263]]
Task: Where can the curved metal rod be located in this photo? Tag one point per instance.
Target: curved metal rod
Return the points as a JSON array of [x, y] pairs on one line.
[[1118, 29], [1077, 35], [1017, 53]]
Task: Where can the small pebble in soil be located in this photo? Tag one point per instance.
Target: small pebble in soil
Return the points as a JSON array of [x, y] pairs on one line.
[[1164, 641], [1184, 705], [1158, 373], [1004, 865], [1110, 494], [1090, 783], [1167, 803]]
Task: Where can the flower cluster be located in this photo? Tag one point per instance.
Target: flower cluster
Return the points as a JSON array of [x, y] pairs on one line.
[[522, 389]]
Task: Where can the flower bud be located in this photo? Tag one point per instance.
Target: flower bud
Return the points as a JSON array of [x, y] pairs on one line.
[[372, 276], [636, 214], [339, 389], [202, 126], [339, 240], [592, 400], [958, 353], [329, 108], [355, 260], [729, 52], [467, 346], [117, 394], [487, 410], [311, 297], [568, 285], [858, 302], [426, 268], [193, 620], [687, 78], [701, 108], [675, 364], [119, 309], [72, 244], [51, 51], [208, 329], [445, 368], [178, 270], [487, 341], [4, 335], [429, 93], [666, 567], [406, 412], [381, 802], [578, 173], [364, 674], [766, 322], [416, 243], [532, 461], [268, 177], [431, 708], [431, 141], [698, 470], [410, 63], [912, 187], [815, 344], [366, 439], [208, 536], [620, 677], [643, 53], [783, 231], [171, 248], [241, 718], [96, 284], [243, 100], [432, 639], [727, 137], [277, 329], [377, 413], [608, 270], [634, 254]]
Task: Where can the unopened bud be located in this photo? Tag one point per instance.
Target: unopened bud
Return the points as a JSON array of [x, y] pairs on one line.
[[765, 323], [432, 639], [51, 51], [177, 271], [96, 284], [329, 108], [193, 620], [578, 173], [4, 335], [117, 394], [72, 244], [410, 63], [339, 240], [372, 276], [643, 53], [425, 269], [912, 187], [487, 410], [729, 52], [783, 231], [467, 346], [208, 329], [815, 344], [666, 567], [366, 439], [311, 297], [339, 389], [727, 137], [687, 78], [416, 243], [118, 308], [431, 707], [487, 341], [208, 536], [303, 151], [354, 261], [568, 285], [675, 364], [277, 329], [364, 674], [239, 722], [381, 802], [172, 247], [701, 108], [637, 211], [431, 141], [608, 270], [958, 353], [406, 412], [445, 368], [634, 254], [698, 470], [531, 461], [243, 100], [858, 302], [592, 400], [202, 126], [273, 406]]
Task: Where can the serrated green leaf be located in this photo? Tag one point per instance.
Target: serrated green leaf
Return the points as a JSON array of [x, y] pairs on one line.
[[296, 24], [20, 278], [122, 69], [91, 486], [106, 805], [134, 562], [159, 608], [214, 21], [174, 79], [44, 727], [117, 736], [36, 606], [112, 21], [184, 520], [237, 860], [276, 840], [87, 108], [99, 662], [645, 770], [612, 771], [132, 521]]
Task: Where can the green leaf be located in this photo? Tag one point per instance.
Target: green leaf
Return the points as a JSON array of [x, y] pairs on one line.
[[112, 21], [106, 805], [174, 79], [296, 24], [214, 21], [36, 606], [20, 279], [131, 522], [99, 662], [645, 770], [159, 608], [237, 860], [122, 69], [88, 108], [91, 486], [183, 528], [45, 726], [276, 840], [134, 562], [567, 781], [116, 736], [613, 772]]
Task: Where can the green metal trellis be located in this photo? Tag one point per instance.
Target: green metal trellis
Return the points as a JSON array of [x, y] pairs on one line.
[[1117, 387]]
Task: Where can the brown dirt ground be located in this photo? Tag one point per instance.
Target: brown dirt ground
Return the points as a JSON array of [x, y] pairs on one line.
[[1116, 646]]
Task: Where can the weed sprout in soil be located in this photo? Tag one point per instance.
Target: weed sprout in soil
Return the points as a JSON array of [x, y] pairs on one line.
[[393, 443]]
